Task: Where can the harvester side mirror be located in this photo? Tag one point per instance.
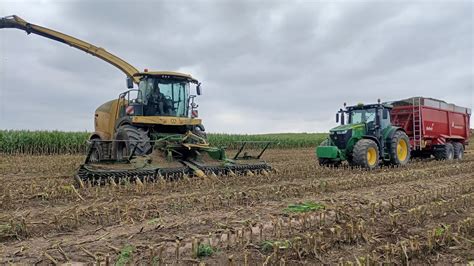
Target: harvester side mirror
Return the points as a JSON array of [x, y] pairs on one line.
[[342, 119], [198, 89], [129, 83], [385, 114], [337, 118]]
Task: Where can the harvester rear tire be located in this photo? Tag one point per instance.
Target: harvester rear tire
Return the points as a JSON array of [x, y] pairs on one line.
[[96, 154], [446, 152], [366, 154], [137, 136], [400, 148], [458, 150]]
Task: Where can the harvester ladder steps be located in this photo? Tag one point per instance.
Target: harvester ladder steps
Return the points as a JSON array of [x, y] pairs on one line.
[[417, 130]]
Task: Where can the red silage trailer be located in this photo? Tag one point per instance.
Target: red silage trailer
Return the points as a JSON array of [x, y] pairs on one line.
[[433, 126]]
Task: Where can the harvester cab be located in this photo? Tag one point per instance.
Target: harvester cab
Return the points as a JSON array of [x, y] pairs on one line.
[[149, 132], [161, 94], [364, 138]]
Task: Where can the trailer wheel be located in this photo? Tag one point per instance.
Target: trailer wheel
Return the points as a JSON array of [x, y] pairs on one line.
[[399, 148], [366, 154], [458, 150], [445, 152]]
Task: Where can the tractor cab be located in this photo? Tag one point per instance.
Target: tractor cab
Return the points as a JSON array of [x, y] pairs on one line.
[[373, 117]]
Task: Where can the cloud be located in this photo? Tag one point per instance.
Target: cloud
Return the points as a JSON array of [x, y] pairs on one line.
[[266, 66]]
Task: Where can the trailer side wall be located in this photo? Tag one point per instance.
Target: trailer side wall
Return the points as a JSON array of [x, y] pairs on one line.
[[433, 122]]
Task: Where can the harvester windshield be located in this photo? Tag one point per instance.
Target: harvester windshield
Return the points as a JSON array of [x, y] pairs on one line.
[[165, 97]]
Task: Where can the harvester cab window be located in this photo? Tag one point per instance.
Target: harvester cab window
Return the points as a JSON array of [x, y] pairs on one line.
[[176, 94], [164, 97]]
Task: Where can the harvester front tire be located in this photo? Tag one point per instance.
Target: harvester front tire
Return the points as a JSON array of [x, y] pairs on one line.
[[458, 150], [132, 136], [366, 154], [446, 152], [399, 148]]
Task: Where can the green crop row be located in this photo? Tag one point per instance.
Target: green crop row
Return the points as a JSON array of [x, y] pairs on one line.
[[42, 142], [58, 142], [280, 140]]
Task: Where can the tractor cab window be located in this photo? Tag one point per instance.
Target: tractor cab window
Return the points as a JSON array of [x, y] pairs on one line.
[[164, 97], [362, 116], [385, 115]]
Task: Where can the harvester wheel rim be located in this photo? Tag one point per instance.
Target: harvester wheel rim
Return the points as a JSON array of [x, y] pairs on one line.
[[402, 150], [371, 156]]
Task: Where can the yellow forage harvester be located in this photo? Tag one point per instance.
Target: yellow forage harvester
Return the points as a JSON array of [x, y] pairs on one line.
[[152, 130]]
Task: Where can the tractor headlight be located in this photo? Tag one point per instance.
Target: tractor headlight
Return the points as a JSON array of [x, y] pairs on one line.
[[342, 132]]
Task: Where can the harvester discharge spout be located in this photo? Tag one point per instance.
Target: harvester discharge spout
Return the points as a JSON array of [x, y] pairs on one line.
[[170, 158]]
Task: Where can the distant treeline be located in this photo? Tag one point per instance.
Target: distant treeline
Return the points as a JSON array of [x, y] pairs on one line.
[[59, 142]]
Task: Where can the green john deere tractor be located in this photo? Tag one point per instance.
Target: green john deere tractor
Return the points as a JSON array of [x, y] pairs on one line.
[[366, 140]]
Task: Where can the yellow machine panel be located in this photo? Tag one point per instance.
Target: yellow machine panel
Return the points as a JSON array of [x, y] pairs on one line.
[[166, 120]]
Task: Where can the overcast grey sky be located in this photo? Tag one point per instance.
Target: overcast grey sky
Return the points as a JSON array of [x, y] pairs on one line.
[[266, 66]]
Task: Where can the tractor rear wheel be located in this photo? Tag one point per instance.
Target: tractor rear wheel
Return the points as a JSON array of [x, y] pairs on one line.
[[128, 137], [445, 152], [399, 148], [458, 150], [366, 154]]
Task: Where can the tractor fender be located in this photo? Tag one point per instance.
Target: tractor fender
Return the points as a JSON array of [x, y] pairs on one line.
[[392, 132], [372, 138], [389, 135]]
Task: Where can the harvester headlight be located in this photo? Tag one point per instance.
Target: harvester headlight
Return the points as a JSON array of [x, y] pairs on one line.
[[343, 132]]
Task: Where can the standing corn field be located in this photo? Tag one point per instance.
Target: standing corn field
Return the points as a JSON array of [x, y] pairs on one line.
[[42, 142], [59, 142]]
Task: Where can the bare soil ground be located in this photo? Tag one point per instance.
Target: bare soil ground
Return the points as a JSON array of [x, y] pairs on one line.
[[422, 213]]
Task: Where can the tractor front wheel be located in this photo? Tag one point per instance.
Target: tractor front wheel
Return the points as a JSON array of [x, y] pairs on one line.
[[366, 154], [399, 148]]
